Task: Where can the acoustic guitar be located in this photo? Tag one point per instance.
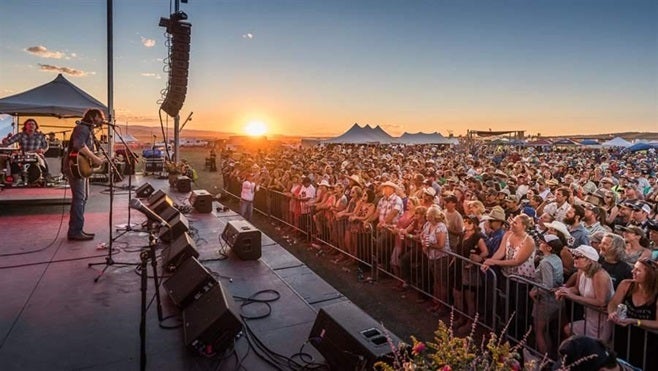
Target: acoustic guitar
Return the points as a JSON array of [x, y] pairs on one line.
[[80, 166]]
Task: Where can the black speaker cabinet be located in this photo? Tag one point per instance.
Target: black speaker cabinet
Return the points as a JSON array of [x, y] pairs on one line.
[[201, 200], [161, 204], [190, 281], [243, 238], [174, 255], [349, 339], [178, 224], [183, 184], [143, 191], [212, 322], [156, 196]]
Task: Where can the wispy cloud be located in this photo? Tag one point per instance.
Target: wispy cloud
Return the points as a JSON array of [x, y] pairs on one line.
[[248, 36], [43, 52], [149, 43], [66, 70], [150, 74]]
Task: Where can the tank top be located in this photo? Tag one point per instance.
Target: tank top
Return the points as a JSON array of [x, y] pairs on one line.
[[645, 311], [525, 269]]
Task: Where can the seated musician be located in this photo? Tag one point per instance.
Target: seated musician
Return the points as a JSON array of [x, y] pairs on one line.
[[31, 141]]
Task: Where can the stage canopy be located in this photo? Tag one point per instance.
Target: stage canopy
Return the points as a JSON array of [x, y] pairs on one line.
[[58, 98], [617, 142], [365, 134]]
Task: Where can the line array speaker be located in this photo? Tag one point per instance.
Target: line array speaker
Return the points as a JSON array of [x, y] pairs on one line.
[[190, 281], [243, 238], [349, 339], [211, 323], [182, 249], [179, 62]]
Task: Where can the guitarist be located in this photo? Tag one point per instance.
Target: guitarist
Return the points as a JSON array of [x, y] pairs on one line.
[[81, 143]]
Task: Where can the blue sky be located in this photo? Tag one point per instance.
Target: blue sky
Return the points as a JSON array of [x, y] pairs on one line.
[[316, 67]]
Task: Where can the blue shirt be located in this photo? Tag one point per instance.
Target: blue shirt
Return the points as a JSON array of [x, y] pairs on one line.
[[493, 241]]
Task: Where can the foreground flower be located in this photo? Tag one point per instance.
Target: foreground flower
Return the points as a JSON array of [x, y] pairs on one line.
[[418, 348]]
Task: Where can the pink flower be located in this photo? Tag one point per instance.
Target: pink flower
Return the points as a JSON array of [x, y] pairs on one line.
[[418, 348], [515, 365], [446, 368]]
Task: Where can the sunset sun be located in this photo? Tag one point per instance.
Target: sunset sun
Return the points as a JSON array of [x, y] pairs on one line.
[[255, 128]]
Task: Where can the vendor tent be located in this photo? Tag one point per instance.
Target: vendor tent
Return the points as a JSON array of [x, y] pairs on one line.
[[617, 142], [365, 134], [641, 146], [58, 98], [423, 138]]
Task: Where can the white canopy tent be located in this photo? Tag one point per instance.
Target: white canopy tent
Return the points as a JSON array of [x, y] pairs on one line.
[[617, 142]]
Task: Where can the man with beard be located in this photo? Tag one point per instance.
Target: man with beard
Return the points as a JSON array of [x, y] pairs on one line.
[[591, 219], [573, 221]]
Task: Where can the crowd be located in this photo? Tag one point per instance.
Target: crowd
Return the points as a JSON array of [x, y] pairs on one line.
[[555, 225]]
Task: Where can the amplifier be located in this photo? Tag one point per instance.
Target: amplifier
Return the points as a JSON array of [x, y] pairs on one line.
[[243, 238], [183, 184], [178, 225]]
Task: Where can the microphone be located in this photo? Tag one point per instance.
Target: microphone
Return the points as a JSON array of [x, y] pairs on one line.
[[107, 123], [150, 214]]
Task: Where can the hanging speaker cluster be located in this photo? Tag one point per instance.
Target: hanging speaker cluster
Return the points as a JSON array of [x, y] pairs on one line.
[[179, 62]]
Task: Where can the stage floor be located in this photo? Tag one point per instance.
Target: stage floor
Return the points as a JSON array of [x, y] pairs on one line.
[[55, 317]]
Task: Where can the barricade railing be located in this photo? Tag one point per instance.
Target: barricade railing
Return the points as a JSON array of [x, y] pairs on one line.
[[454, 281]]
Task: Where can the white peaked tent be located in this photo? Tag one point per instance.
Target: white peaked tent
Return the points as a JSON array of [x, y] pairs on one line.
[[617, 142], [423, 138], [365, 134], [59, 98]]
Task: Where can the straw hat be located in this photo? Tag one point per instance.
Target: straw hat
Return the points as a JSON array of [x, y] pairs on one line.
[[325, 183], [388, 183], [560, 227], [496, 213], [356, 179]]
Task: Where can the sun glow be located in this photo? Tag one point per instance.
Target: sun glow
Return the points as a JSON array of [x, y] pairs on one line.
[[255, 128]]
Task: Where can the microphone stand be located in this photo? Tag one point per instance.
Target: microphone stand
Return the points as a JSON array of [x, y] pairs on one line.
[[108, 259], [131, 159]]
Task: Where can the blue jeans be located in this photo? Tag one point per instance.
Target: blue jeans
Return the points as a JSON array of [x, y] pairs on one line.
[[246, 209], [79, 193]]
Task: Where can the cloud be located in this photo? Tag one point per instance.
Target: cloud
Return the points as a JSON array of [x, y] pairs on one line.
[[248, 36], [149, 43], [43, 52], [66, 70], [150, 74]]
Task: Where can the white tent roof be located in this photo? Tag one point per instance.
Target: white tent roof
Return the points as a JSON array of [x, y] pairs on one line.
[[365, 134], [617, 142], [59, 98], [425, 138]]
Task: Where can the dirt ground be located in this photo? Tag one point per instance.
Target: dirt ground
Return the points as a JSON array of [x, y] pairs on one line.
[[399, 312]]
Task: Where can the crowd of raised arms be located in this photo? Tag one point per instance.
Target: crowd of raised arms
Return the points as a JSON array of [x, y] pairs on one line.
[[581, 224]]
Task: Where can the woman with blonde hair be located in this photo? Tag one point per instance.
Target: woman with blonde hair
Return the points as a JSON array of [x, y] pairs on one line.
[[399, 230], [593, 288], [515, 257], [435, 242]]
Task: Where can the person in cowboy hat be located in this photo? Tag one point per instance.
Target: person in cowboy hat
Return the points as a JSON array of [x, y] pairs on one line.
[[389, 209], [495, 221]]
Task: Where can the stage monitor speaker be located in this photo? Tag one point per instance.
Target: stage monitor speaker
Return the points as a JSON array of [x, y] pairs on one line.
[[161, 204], [178, 224], [189, 283], [182, 249], [349, 339], [144, 191], [156, 196], [183, 184], [243, 238], [211, 323], [201, 201]]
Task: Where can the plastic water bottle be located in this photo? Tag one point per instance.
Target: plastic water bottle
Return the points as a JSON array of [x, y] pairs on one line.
[[622, 311]]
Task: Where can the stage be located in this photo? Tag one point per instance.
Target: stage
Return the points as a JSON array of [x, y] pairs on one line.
[[54, 316]]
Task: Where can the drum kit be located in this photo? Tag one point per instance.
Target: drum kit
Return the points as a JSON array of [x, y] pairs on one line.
[[27, 169]]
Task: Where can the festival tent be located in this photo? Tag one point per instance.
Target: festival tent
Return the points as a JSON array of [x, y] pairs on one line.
[[641, 146], [424, 138], [589, 142], [539, 143], [365, 134], [565, 142], [58, 98], [617, 142]]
